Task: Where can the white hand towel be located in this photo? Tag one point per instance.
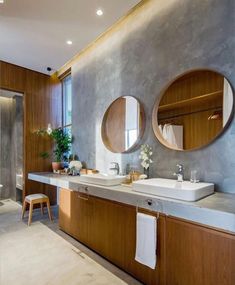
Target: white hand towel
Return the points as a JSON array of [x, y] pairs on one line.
[[175, 136], [146, 240]]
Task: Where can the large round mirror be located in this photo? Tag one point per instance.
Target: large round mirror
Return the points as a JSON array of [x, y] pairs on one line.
[[193, 110], [123, 124]]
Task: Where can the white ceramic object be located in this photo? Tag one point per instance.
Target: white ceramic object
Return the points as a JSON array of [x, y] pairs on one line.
[[102, 179], [170, 188]]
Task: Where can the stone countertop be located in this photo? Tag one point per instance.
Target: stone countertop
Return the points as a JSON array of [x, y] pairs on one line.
[[217, 210]]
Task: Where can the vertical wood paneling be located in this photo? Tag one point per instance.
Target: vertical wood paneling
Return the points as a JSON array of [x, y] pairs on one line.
[[42, 105]]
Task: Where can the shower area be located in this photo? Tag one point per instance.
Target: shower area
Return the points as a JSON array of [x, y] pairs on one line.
[[11, 145]]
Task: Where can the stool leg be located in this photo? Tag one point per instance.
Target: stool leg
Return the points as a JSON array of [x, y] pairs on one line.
[[49, 210], [30, 213], [23, 209], [42, 209]]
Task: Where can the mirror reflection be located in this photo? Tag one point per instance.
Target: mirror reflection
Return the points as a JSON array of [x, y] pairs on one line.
[[122, 124], [193, 110]]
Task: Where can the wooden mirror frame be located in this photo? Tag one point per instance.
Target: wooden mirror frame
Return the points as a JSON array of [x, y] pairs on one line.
[[141, 132], [155, 125]]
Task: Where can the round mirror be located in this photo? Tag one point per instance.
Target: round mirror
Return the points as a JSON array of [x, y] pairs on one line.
[[123, 124], [193, 110]]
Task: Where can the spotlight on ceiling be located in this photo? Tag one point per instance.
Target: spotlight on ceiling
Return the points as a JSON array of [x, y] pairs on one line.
[[1, 1], [99, 12], [69, 42]]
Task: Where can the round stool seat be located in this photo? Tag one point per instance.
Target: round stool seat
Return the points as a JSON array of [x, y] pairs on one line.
[[35, 197]]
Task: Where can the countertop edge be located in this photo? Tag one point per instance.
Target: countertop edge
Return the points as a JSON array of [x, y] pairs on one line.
[[221, 220]]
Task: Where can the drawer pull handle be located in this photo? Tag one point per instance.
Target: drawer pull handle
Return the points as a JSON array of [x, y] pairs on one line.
[[82, 198]]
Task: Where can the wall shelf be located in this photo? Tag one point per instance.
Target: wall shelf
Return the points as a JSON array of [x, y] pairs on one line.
[[192, 101]]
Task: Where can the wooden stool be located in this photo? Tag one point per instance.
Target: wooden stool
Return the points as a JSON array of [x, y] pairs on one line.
[[36, 199]]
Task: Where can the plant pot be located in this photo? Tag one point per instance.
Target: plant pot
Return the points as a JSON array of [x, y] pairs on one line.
[[146, 172], [56, 166]]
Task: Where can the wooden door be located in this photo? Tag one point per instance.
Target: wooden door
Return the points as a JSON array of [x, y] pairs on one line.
[[196, 255]]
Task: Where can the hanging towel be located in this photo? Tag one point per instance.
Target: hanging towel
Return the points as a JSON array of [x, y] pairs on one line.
[[173, 134], [164, 131], [146, 240]]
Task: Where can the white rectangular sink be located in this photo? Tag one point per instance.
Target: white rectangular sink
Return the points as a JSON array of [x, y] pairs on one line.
[[102, 179], [170, 188]]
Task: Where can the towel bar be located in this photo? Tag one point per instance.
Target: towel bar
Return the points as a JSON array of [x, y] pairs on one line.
[[150, 203]]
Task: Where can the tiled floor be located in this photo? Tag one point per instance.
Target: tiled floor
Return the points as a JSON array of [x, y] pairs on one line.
[[42, 254]]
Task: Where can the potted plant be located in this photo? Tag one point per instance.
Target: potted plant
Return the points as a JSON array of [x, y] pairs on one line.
[[62, 144]]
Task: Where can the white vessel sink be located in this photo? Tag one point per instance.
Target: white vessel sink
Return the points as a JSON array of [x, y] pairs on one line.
[[102, 179], [169, 188]]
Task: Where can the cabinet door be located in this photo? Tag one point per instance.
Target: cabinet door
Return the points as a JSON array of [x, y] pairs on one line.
[[198, 255], [112, 233], [144, 273], [65, 210], [107, 230], [74, 211], [82, 210]]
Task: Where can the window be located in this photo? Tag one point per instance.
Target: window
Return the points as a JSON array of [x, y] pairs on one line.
[[67, 103]]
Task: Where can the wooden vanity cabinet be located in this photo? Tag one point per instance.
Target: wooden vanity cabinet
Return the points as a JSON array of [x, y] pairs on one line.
[[109, 228], [187, 253], [197, 255]]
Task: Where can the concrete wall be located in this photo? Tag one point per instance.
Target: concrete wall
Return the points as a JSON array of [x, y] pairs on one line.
[[5, 147], [160, 41], [11, 144]]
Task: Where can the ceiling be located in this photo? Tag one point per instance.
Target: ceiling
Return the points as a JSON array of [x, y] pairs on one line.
[[33, 33]]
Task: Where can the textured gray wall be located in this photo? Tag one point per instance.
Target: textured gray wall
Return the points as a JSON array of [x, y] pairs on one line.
[[162, 41], [11, 144], [6, 105]]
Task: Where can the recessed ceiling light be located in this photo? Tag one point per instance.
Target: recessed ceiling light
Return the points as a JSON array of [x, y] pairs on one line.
[[1, 1], [69, 42], [99, 12]]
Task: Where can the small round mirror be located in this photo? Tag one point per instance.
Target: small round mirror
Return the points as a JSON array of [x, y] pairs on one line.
[[193, 110], [123, 124]]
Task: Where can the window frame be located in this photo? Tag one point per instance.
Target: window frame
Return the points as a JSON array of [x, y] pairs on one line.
[[64, 126]]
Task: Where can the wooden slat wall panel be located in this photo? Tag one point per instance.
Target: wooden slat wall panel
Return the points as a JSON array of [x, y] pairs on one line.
[[42, 105]]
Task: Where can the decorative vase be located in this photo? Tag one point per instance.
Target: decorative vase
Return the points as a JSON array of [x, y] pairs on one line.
[[146, 172], [56, 166]]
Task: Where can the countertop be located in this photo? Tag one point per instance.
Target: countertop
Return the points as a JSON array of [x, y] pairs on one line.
[[216, 210]]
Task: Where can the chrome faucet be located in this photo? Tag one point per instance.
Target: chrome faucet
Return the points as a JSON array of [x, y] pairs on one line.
[[116, 167], [180, 173]]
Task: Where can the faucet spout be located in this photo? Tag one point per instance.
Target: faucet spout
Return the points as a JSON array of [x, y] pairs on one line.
[[179, 173], [115, 168]]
